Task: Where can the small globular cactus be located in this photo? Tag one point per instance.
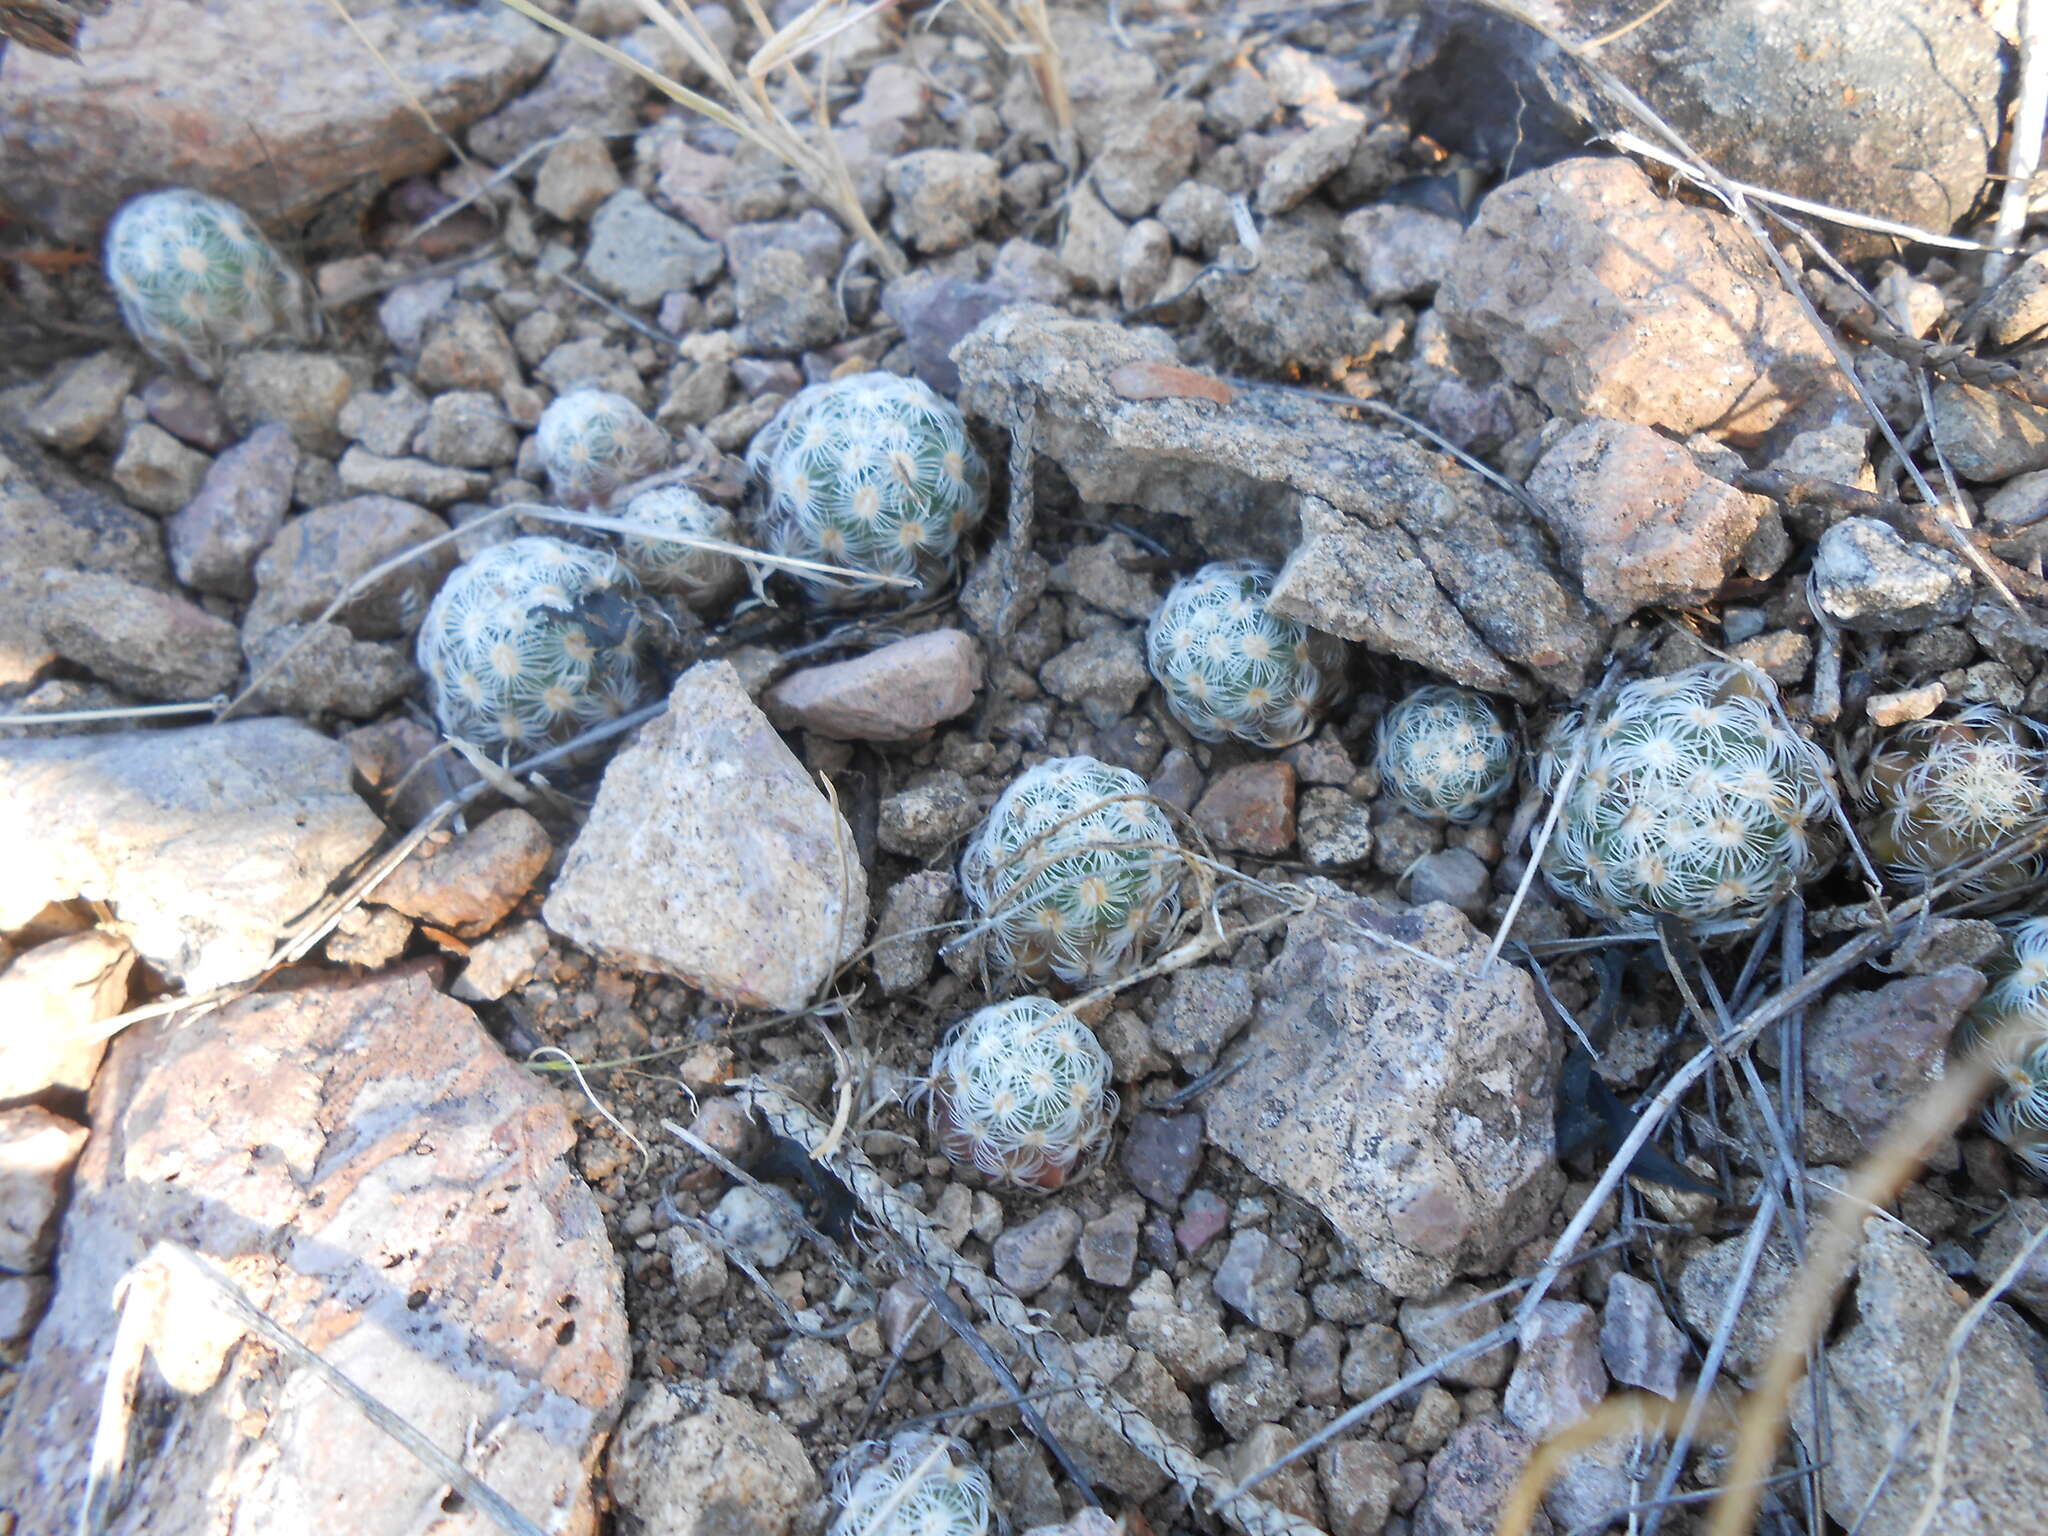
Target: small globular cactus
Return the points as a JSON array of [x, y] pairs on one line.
[[1074, 870], [2008, 1032], [872, 473], [532, 641], [1694, 801], [701, 577], [1021, 1092], [1947, 792], [915, 1485], [592, 442], [1445, 754], [1230, 667], [197, 280]]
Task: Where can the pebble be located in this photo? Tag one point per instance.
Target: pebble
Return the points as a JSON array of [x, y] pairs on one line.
[[1250, 809], [464, 347], [156, 472], [575, 177], [1436, 1415], [1143, 262], [1178, 780], [896, 693], [927, 815], [1436, 1325], [52, 995], [409, 479], [1161, 1153], [1204, 1215], [1398, 254], [2022, 1220], [468, 885], [23, 1300], [1640, 1345], [1184, 1329], [1471, 1478], [147, 643], [84, 403], [1103, 675], [37, 1150], [303, 390], [697, 1268], [1257, 1392], [911, 1326], [1333, 828], [1400, 840], [907, 935], [321, 669], [188, 410], [386, 421], [1454, 876], [1306, 163], [1375, 1359], [1109, 1246], [1558, 1378], [1292, 1490], [637, 253], [368, 938], [214, 539], [1869, 1055], [1257, 1278], [1360, 1479], [940, 198], [757, 1225], [1027, 1257], [1205, 1006], [1987, 434], [1146, 154], [1867, 578], [688, 1458], [466, 429], [321, 553], [1317, 1361], [784, 277]]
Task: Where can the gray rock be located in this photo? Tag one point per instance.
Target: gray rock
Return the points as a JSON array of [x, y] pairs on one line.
[[1398, 253], [1640, 1345], [319, 554], [1091, 250], [1257, 1279], [910, 1325], [940, 198], [503, 961], [53, 995], [1316, 1363], [1457, 877], [1309, 160], [2023, 1220], [463, 346], [579, 90], [155, 471], [215, 537], [1869, 1055], [368, 938], [1411, 1105], [711, 856], [783, 282], [1198, 217], [909, 932], [466, 429], [895, 693], [2016, 311], [1184, 1329], [1436, 1325], [1296, 309], [758, 1225], [323, 669], [1109, 1246], [1471, 1477], [1100, 576], [1143, 263], [1027, 1257], [23, 1300], [37, 1150], [1161, 1153], [187, 409], [1869, 579], [387, 421], [1989, 435], [84, 401], [1146, 154], [1399, 548], [935, 311], [409, 479], [1702, 1292], [1107, 1456], [928, 815], [1254, 1393], [304, 390], [1375, 1359], [1205, 1006], [812, 1370], [690, 1459], [1558, 1377], [207, 839], [1104, 675], [637, 253], [147, 643], [1333, 830]]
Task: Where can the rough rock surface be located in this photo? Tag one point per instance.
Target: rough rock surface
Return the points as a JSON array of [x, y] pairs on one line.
[[51, 997], [1870, 1054], [1609, 300], [468, 885], [206, 840], [37, 1149], [1410, 1104], [215, 538], [711, 856], [1868, 578], [896, 693], [690, 1461], [214, 94], [1400, 548], [150, 643], [374, 1172]]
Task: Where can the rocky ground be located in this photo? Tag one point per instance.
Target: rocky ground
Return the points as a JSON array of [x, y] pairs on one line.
[[438, 1143]]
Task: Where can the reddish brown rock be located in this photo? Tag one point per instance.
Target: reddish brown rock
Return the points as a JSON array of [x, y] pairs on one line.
[[1250, 809], [467, 886], [896, 693]]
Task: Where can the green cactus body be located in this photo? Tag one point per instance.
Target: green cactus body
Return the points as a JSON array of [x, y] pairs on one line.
[[915, 1485], [534, 640], [1020, 1091], [592, 442], [873, 473], [197, 280], [1947, 792], [702, 578], [1074, 871], [1446, 754], [1694, 802], [2008, 1031], [1231, 667]]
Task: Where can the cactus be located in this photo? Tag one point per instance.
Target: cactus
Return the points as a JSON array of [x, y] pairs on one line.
[[702, 578], [1445, 753], [916, 1485], [533, 640], [2008, 1032], [1074, 869], [592, 442], [1232, 668], [874, 473], [1020, 1091], [1947, 792], [196, 280], [1694, 802]]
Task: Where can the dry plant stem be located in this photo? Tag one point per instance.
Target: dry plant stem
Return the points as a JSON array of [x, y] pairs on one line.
[[2023, 158], [1636, 1410], [138, 712], [139, 1295], [884, 1205], [575, 1069], [419, 108]]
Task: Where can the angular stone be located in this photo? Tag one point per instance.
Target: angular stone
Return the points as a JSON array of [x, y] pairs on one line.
[[1399, 253], [502, 962], [1027, 1257], [1867, 578], [468, 885], [409, 479], [37, 1150], [1702, 1294], [322, 669], [692, 1461], [1185, 1331], [908, 933], [896, 693], [304, 390], [468, 429], [1297, 308], [785, 282], [464, 347], [756, 1224], [320, 553], [1250, 809], [1146, 154], [215, 537], [1436, 1325], [1360, 1479], [575, 176], [1100, 576], [923, 818], [1334, 830], [1161, 1153], [2023, 1220], [1205, 1006], [145, 642], [1558, 1377], [1308, 161], [1869, 1055], [711, 856], [1257, 1280], [1109, 1246], [940, 197], [1471, 1478], [637, 253], [51, 997], [1103, 675], [84, 402], [1640, 1345], [155, 471]]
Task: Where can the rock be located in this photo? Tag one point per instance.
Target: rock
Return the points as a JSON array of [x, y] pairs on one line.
[[575, 177], [1309, 160], [1293, 1490], [1297, 309], [1108, 1458], [166, 95], [1869, 1055], [1375, 1361], [1360, 1479], [155, 471], [910, 1325], [322, 669], [52, 996], [1608, 300], [1457, 877], [1411, 1105], [1185, 1331], [1250, 809], [37, 1150], [756, 1224], [1400, 548], [1471, 1477], [1702, 1293], [1091, 250], [463, 346], [1203, 1216], [2023, 1220], [711, 856], [1316, 1363], [1104, 675], [467, 886], [1143, 263], [935, 312], [1643, 524], [785, 282], [2017, 309], [1334, 830], [303, 390], [1099, 575], [23, 1300], [896, 693], [1436, 1325], [637, 253], [365, 1160], [502, 962], [206, 839], [580, 90], [1206, 1005], [940, 198], [1161, 1153], [1178, 781], [909, 932], [368, 938], [1892, 1361], [84, 403], [1145, 155], [1257, 1279], [690, 1461], [147, 643], [188, 410], [409, 479], [1640, 1345], [1108, 1248], [215, 537], [1254, 1393], [1198, 217], [1027, 1257], [927, 816], [318, 554], [1398, 253], [1869, 579], [1558, 1377], [467, 429]]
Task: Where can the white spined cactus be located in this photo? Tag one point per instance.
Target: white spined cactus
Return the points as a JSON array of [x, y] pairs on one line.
[[702, 578], [1446, 754], [872, 473], [593, 441], [1947, 792], [916, 1485], [1075, 870], [197, 280], [2008, 1032], [1231, 667], [1020, 1091], [1694, 802], [533, 640]]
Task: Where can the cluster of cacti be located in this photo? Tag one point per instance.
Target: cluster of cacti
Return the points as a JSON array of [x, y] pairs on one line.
[[1230, 667], [197, 280], [1946, 792], [1020, 1091], [1694, 801], [2008, 1031], [1075, 869], [593, 441], [873, 473], [916, 1485], [534, 639], [1445, 753], [701, 577]]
